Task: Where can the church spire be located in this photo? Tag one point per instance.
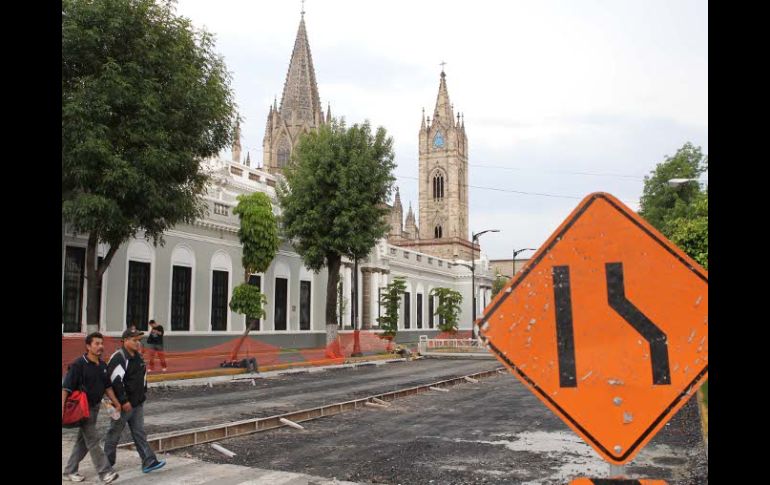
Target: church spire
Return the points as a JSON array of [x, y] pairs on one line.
[[300, 100], [410, 227], [396, 217], [443, 111]]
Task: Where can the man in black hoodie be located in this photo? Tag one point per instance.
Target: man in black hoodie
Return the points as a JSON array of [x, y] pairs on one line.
[[128, 375]]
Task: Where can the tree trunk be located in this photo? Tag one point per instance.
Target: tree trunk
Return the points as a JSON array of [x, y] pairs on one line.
[[92, 287], [249, 325], [333, 266]]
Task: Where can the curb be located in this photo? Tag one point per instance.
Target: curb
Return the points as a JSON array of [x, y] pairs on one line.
[[458, 355], [225, 372], [175, 376], [704, 420]]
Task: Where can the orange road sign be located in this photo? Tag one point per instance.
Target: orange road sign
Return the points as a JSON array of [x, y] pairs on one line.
[[616, 481], [607, 325]]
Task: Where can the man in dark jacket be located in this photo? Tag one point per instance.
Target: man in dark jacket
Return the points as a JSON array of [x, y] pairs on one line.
[[128, 375], [88, 373]]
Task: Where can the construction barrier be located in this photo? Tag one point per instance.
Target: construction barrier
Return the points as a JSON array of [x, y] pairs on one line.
[[369, 343]]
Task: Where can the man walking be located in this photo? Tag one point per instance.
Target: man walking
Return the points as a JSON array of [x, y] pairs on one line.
[[89, 373], [155, 345], [128, 375]]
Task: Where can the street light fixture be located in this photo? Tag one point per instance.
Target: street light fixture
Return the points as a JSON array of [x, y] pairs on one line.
[[474, 238], [516, 253], [679, 182]]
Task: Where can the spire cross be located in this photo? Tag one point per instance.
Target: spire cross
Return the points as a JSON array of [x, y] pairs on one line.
[[303, 8], [442, 63]]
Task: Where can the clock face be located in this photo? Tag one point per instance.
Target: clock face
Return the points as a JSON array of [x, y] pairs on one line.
[[438, 140]]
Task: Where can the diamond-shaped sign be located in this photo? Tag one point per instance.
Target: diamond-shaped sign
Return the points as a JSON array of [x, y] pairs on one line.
[[607, 325]]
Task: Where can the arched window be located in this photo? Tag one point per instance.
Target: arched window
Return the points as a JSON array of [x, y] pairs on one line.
[[284, 151], [437, 232], [438, 186]]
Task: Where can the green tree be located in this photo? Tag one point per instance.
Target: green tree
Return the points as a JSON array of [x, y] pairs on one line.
[[661, 204], [391, 301], [144, 99], [448, 309], [334, 197], [498, 284], [692, 234], [259, 237]]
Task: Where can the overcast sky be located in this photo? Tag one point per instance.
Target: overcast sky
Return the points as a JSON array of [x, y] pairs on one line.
[[562, 98]]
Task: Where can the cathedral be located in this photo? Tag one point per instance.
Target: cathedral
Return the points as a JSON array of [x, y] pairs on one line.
[[443, 159]]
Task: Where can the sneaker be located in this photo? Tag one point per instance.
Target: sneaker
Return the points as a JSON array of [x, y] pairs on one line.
[[164, 369], [73, 477], [110, 477], [154, 466]]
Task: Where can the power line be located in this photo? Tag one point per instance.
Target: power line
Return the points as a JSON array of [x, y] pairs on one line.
[[619, 175], [541, 194], [530, 169], [521, 192]]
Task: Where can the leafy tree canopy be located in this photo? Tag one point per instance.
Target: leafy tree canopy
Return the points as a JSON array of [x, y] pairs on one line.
[[660, 204], [144, 99], [333, 201]]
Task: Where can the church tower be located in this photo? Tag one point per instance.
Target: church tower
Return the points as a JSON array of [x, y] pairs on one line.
[[300, 109], [443, 181]]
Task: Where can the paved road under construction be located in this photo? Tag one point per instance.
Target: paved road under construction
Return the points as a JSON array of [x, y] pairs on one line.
[[494, 432], [176, 408]]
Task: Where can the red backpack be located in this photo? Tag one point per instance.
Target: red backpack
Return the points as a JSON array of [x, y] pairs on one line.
[[76, 408]]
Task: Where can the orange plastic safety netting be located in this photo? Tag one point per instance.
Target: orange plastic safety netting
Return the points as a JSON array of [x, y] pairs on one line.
[[212, 357]]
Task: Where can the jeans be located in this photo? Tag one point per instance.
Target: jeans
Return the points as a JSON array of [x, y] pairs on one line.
[[135, 420], [88, 442]]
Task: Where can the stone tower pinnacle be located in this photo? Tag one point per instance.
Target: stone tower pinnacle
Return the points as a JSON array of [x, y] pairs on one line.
[[300, 109]]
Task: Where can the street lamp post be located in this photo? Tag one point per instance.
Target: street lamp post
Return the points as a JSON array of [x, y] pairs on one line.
[[474, 238], [516, 253]]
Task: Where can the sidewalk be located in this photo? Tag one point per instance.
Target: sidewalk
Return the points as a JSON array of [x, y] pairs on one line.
[[182, 469]]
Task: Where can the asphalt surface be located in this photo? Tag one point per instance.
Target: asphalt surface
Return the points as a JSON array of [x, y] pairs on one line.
[[178, 408], [494, 432]]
